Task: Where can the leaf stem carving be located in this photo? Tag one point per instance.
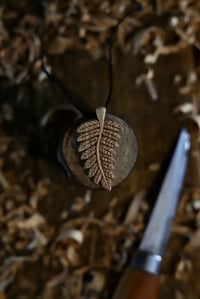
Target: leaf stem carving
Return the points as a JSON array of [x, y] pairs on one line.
[[101, 113]]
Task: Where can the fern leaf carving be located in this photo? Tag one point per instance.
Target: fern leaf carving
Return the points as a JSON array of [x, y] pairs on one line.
[[98, 140]]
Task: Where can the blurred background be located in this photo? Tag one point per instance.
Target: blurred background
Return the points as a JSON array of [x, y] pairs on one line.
[[62, 240]]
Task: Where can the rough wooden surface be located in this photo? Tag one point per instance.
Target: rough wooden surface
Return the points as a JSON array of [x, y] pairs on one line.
[[154, 122]]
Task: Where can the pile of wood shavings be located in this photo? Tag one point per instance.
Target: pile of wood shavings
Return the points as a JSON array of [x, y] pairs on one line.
[[76, 257], [87, 26], [73, 265]]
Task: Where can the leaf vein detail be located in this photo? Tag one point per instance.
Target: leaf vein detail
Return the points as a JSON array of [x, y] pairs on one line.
[[98, 140]]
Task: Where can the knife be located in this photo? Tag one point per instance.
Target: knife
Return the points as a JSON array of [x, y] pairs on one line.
[[141, 279]]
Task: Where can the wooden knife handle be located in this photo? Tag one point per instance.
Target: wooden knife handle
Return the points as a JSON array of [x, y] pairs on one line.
[[137, 285]]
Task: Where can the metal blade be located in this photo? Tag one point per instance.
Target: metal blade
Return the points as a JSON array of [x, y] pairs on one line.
[[158, 229]]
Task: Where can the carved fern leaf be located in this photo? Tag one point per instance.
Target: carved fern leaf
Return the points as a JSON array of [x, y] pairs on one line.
[[98, 140]]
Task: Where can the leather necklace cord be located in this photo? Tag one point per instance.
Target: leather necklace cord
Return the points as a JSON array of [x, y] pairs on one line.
[[59, 83]]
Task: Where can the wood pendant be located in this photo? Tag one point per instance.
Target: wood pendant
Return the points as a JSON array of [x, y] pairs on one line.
[[99, 153]]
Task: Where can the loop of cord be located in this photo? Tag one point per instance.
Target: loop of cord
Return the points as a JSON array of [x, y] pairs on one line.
[[57, 81]]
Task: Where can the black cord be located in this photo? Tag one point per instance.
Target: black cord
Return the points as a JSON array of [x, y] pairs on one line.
[[64, 89], [110, 65], [55, 79], [50, 76]]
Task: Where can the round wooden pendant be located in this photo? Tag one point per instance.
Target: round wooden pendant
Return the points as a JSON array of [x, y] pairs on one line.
[[101, 152]]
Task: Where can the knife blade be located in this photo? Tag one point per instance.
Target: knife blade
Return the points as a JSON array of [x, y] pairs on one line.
[[141, 279]]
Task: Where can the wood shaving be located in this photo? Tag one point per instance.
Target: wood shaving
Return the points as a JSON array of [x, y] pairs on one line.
[[134, 207], [185, 108]]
